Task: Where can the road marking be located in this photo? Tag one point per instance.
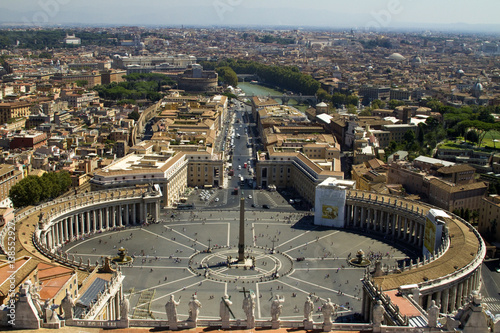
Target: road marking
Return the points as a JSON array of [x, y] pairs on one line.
[[292, 239], [164, 284], [321, 287], [175, 291], [307, 243], [166, 267], [258, 299], [186, 246], [327, 268]]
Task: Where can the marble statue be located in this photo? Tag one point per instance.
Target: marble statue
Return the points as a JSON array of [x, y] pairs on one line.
[[249, 308], [67, 305], [194, 309], [224, 310], [46, 312], [378, 313], [171, 309], [433, 314], [276, 307], [308, 309], [327, 309], [124, 309]]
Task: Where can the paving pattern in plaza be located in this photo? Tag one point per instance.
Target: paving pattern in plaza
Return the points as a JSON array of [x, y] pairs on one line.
[[293, 258]]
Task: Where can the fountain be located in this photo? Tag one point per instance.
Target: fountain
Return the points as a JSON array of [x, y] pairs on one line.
[[122, 258], [360, 260]]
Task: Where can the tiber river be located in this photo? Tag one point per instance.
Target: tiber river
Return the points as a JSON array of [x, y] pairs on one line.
[[258, 90]]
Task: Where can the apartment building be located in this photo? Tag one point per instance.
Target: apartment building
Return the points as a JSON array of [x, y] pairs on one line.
[[294, 170], [173, 171], [435, 184], [9, 176], [12, 110]]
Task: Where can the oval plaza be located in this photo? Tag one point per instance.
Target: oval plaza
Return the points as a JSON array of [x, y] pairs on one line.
[[445, 274]]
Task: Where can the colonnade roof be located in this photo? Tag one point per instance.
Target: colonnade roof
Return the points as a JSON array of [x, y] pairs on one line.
[[464, 247], [25, 227]]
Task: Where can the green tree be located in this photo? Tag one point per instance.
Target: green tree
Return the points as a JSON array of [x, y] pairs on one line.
[[394, 103], [377, 104], [33, 189], [81, 83], [351, 109], [472, 136], [26, 192], [366, 112], [323, 95], [134, 115], [409, 136], [228, 76]]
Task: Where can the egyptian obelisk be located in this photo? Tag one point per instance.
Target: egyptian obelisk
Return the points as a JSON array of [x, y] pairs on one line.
[[241, 241]]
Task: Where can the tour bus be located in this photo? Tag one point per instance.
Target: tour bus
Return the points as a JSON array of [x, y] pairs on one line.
[[244, 165]]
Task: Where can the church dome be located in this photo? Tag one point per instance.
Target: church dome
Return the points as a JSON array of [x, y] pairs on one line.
[[396, 57]]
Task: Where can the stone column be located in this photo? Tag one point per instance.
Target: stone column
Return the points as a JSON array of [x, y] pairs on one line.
[[405, 228], [82, 223], [119, 215], [68, 226], [453, 299], [134, 213], [63, 231], [157, 209], [438, 299], [113, 216], [79, 227], [477, 278], [445, 300], [460, 295], [107, 222], [370, 218], [393, 224], [94, 220], [87, 219], [71, 231], [388, 223], [363, 217], [51, 238], [347, 217], [356, 216], [57, 235], [127, 216]]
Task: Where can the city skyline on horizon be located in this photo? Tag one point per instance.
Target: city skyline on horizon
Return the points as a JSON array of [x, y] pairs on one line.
[[359, 15]]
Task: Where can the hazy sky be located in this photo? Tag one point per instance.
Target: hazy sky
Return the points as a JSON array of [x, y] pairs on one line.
[[324, 13]]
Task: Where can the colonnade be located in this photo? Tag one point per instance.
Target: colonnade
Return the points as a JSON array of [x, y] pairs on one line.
[[402, 221], [451, 297], [99, 217], [388, 221]]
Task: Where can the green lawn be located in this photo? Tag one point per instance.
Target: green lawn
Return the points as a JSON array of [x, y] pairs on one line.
[[488, 140]]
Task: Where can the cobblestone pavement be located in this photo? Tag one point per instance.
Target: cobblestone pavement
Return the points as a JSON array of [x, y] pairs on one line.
[[169, 259]]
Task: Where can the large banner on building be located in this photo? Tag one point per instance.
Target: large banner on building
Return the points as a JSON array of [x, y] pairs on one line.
[[330, 202], [429, 235], [433, 232]]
